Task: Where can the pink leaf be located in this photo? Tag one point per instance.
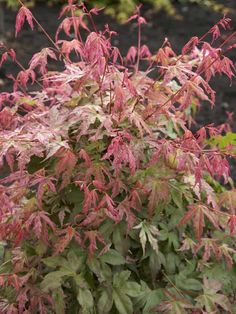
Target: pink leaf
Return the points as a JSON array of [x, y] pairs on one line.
[[132, 54], [3, 58], [191, 44], [232, 224], [40, 59], [145, 52], [23, 13]]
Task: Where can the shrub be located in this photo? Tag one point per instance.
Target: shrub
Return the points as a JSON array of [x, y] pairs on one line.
[[112, 204]]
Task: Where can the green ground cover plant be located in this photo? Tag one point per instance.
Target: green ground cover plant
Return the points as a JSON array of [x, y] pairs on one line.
[[112, 204]]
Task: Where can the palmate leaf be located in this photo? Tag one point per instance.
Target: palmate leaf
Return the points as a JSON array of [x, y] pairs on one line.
[[23, 14], [58, 298], [212, 300], [53, 280], [185, 283], [228, 200], [147, 233], [197, 213], [112, 257], [122, 302], [175, 307], [123, 290], [105, 302], [85, 299]]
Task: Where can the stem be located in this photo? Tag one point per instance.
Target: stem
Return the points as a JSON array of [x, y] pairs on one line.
[[74, 24], [3, 264], [20, 65], [46, 34], [139, 48], [90, 17], [174, 286]]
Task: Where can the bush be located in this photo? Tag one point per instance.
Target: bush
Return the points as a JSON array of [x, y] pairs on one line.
[[112, 204]]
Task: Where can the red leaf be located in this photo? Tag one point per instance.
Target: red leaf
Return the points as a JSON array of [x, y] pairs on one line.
[[232, 224], [6, 118], [93, 236], [23, 13], [196, 213], [64, 240], [122, 154], [66, 163], [36, 220], [83, 155]]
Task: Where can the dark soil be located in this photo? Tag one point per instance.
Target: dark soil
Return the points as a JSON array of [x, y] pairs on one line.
[[195, 22]]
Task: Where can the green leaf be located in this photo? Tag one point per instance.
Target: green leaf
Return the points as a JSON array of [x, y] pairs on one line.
[[132, 289], [177, 197], [155, 263], [94, 265], [58, 297], [207, 302], [100, 269], [85, 299], [53, 280], [122, 302], [153, 298], [105, 302], [41, 248], [188, 283], [147, 232], [173, 240], [73, 194], [80, 281], [223, 141], [2, 250], [75, 262], [54, 261], [113, 257], [121, 278], [192, 284], [106, 229], [172, 261], [143, 239], [120, 242]]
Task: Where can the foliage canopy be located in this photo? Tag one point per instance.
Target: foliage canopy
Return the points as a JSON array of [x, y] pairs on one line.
[[112, 204]]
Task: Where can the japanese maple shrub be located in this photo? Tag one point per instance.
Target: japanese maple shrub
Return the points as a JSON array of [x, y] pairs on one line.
[[111, 204]]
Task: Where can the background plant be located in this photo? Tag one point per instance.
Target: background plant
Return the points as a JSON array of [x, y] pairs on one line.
[[112, 204], [121, 9]]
